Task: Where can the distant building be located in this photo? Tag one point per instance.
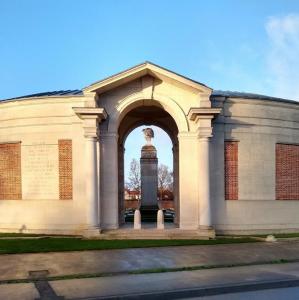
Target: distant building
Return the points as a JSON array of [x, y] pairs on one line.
[[131, 199], [132, 194], [166, 195]]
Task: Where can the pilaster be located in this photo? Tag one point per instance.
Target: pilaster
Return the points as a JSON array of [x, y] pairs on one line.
[[91, 117], [203, 119], [188, 181], [90, 99], [109, 182]]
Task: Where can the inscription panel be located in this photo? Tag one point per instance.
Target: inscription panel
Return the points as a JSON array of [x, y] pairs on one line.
[[40, 179]]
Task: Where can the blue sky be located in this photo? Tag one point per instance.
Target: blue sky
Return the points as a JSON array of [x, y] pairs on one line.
[[249, 45]]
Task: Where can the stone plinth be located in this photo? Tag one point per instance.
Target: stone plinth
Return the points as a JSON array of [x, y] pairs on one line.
[[149, 183]]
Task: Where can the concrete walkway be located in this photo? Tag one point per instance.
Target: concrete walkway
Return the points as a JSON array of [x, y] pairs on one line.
[[176, 285], [17, 266], [173, 285]]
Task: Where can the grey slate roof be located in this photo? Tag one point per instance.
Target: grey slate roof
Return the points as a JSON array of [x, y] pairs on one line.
[[215, 93], [48, 94], [231, 94]]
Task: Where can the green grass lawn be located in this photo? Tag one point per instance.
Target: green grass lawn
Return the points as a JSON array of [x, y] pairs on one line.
[[9, 246]]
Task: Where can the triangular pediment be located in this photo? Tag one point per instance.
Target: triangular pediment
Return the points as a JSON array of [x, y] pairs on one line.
[[146, 68]]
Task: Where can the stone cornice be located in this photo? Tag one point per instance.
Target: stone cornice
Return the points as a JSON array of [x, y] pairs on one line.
[[203, 113], [91, 113], [203, 118], [91, 116]]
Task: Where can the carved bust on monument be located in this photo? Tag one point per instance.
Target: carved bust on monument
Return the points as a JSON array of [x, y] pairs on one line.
[[149, 178], [148, 135]]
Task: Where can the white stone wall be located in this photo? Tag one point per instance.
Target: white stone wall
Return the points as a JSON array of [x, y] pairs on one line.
[[258, 125], [39, 124]]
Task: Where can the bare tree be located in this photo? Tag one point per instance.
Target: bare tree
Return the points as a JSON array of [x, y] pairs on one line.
[[165, 179], [134, 181]]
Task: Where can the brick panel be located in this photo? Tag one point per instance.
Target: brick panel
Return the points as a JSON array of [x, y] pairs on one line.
[[10, 171], [231, 170], [287, 172], [65, 170]]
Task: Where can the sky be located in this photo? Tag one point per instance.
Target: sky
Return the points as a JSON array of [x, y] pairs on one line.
[[246, 46]]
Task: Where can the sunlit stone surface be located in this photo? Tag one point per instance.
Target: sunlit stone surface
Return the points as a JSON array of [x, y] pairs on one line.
[[160, 219], [137, 219]]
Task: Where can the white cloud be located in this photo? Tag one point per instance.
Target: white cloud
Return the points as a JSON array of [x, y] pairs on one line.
[[283, 56]]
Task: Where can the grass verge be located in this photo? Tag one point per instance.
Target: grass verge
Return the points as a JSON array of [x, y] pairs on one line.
[[47, 244]]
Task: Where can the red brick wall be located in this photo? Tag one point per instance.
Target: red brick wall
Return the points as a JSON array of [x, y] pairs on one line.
[[287, 172], [10, 171], [65, 169], [231, 170]]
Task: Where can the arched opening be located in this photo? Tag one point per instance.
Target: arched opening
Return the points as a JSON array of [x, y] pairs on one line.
[[135, 120]]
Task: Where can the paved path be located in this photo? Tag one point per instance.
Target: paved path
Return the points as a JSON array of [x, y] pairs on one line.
[[173, 285], [176, 285], [17, 266], [289, 293]]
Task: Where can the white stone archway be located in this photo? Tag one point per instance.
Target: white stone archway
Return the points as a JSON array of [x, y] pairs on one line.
[[111, 137], [142, 115], [188, 104], [138, 99]]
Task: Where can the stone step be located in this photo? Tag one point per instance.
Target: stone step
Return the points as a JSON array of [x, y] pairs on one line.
[[157, 234]]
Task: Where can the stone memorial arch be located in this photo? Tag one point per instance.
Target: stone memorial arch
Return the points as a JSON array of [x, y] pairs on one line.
[[236, 156], [149, 95]]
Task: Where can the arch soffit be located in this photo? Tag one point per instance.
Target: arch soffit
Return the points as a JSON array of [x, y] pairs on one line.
[[138, 99]]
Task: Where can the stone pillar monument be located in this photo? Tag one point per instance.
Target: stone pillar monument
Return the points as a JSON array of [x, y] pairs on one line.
[[149, 178]]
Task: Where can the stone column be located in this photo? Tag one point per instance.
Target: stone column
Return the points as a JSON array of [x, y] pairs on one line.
[[91, 117], [121, 187], [109, 180], [204, 177], [202, 118], [175, 184], [188, 180], [91, 182]]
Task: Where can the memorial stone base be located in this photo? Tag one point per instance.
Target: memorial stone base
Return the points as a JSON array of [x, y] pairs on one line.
[[149, 183]]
